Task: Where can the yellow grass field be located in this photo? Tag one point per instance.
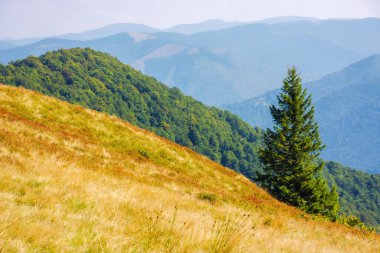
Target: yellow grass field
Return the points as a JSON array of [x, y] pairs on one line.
[[76, 180]]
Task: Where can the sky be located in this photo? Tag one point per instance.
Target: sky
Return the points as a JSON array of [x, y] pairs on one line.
[[38, 18]]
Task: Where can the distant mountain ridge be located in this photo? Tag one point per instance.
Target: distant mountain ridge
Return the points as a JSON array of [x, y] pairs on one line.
[[112, 29], [207, 25], [218, 24], [347, 108], [284, 19], [234, 64], [109, 30]]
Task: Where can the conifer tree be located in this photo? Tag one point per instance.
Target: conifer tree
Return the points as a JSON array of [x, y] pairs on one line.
[[292, 172]]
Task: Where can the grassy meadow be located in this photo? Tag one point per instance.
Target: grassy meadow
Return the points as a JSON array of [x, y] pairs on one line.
[[76, 180]]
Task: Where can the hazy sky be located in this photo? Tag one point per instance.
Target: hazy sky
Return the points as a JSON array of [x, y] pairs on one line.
[[31, 18]]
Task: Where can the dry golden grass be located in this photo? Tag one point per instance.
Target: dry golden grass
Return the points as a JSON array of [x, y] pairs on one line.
[[75, 180]]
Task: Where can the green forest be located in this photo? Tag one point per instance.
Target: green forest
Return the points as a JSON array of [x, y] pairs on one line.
[[98, 81]]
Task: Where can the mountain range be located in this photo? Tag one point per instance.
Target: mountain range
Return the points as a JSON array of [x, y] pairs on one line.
[[347, 108], [108, 30], [234, 64]]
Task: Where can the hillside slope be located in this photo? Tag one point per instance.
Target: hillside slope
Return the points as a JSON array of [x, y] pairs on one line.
[[78, 180], [346, 104], [101, 82], [98, 81]]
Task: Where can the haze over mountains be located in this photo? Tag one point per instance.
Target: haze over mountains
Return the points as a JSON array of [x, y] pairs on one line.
[[347, 108], [234, 64], [207, 25]]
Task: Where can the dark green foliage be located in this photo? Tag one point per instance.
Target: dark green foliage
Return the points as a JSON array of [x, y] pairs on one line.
[[99, 81], [359, 192], [354, 222], [290, 152]]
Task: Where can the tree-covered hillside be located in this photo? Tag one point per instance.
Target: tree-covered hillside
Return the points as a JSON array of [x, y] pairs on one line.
[[359, 192], [99, 81]]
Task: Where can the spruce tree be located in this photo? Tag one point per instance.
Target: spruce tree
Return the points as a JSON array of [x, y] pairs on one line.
[[292, 171]]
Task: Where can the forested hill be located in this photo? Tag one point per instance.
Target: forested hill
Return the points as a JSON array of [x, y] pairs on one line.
[[99, 81], [359, 192]]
